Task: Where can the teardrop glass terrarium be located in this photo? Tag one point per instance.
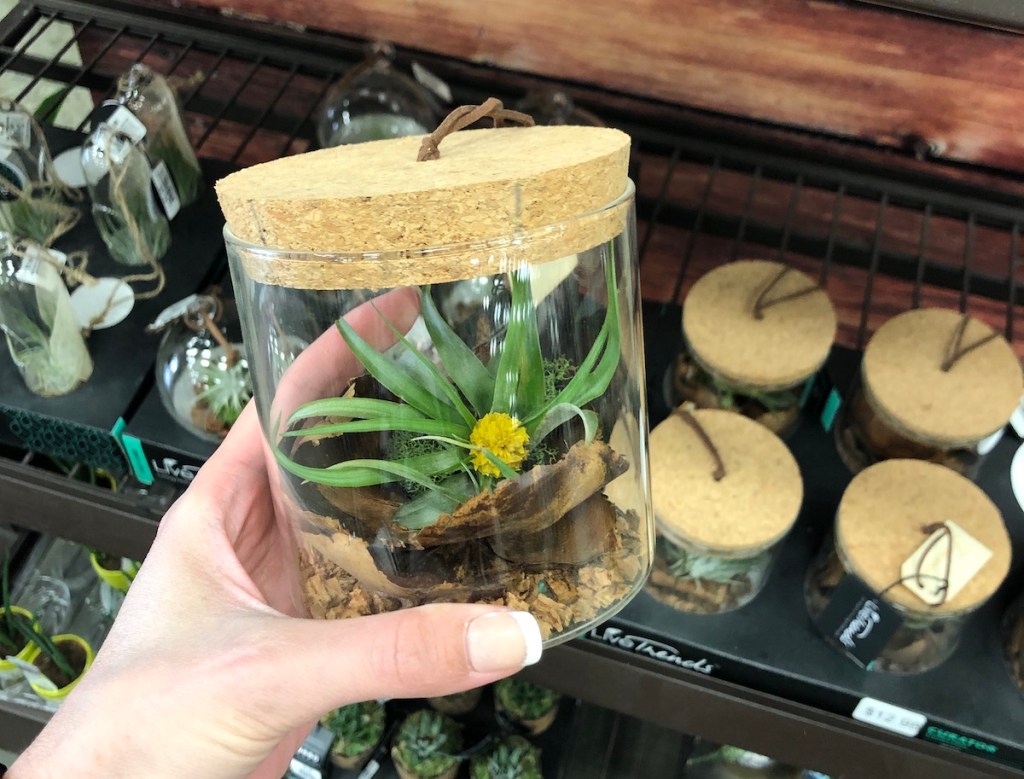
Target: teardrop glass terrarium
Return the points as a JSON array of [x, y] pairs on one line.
[[464, 421]]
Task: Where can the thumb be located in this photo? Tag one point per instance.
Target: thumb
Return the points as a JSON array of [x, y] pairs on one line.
[[411, 653]]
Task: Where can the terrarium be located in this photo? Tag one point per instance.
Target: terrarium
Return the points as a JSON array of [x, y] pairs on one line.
[[32, 198], [464, 419], [755, 332], [934, 385], [155, 121], [374, 101], [726, 491], [119, 178], [201, 368], [922, 540], [42, 334]]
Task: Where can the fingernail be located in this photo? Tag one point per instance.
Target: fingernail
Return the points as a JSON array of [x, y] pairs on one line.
[[503, 641]]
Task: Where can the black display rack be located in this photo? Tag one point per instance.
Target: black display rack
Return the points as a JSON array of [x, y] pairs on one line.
[[884, 233]]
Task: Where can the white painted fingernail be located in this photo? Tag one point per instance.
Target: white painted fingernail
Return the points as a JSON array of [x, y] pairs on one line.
[[503, 641]]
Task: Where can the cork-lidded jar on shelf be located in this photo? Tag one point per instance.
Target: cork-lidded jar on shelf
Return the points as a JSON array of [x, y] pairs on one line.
[[934, 385], [726, 491], [755, 331], [891, 513], [442, 335]]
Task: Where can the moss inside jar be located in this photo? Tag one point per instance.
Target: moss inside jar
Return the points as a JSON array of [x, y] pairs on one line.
[[755, 332], [726, 490], [889, 512], [934, 385]]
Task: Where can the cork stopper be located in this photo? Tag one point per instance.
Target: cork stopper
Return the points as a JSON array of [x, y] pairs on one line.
[[904, 379], [751, 507], [788, 344], [378, 207], [881, 521]]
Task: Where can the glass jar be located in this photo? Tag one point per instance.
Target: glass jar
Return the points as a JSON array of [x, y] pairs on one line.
[[726, 491], [42, 333], [430, 458], [374, 101], [1013, 640], [755, 332], [201, 369], [912, 400], [153, 101], [118, 175], [32, 201], [886, 514], [555, 106]]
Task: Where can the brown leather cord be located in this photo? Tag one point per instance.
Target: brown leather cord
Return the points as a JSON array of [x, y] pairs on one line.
[[762, 302], [942, 581], [466, 115], [719, 473], [955, 351]]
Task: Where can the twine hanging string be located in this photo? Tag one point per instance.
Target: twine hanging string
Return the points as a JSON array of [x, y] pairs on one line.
[[956, 351], [941, 532], [761, 302], [464, 116], [719, 473], [73, 271]]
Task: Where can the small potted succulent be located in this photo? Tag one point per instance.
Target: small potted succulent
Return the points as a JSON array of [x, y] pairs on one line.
[[357, 730], [511, 757], [458, 703], [528, 706], [427, 746], [118, 572]]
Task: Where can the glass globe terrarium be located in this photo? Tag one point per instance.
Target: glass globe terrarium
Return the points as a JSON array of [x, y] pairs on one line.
[[464, 421]]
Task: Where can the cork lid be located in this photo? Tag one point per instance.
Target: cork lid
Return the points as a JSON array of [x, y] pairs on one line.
[[881, 521], [376, 198], [785, 346], [904, 377], [752, 506]]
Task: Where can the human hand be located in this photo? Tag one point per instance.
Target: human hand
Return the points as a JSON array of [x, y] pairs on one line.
[[207, 672]]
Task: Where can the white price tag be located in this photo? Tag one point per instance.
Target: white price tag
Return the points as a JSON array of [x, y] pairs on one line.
[[15, 129], [39, 267], [370, 770], [165, 189], [302, 771], [888, 717], [434, 83], [124, 121], [172, 312]]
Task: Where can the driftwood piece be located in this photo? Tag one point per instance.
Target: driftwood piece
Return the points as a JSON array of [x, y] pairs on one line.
[[531, 502], [583, 534]]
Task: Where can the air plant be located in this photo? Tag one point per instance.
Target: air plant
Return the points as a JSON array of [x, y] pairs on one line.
[[224, 386], [684, 564], [512, 757]]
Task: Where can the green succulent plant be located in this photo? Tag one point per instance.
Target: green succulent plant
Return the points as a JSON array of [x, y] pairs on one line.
[[523, 699], [488, 419], [689, 565], [356, 728], [511, 757], [427, 743]]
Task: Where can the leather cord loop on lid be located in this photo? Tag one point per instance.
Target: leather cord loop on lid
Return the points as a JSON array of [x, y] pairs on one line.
[[956, 350], [762, 302], [719, 473], [464, 116]]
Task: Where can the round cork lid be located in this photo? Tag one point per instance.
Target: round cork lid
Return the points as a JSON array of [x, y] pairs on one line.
[[377, 198], [751, 507], [904, 377], [785, 346], [880, 524]]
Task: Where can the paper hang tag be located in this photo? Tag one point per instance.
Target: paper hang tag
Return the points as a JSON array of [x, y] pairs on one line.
[[166, 190], [39, 267], [171, 313], [103, 304], [924, 572], [127, 123], [33, 674], [432, 82], [858, 621], [15, 129]]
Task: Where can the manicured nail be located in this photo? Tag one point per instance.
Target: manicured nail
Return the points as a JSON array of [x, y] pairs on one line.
[[503, 641]]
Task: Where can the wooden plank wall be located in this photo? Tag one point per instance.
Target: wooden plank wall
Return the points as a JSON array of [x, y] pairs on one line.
[[846, 69]]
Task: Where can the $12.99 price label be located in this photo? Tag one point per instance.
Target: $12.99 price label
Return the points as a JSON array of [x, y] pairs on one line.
[[888, 717]]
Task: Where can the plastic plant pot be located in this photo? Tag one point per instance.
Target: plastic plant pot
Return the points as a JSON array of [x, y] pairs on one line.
[[118, 577], [83, 656], [9, 672]]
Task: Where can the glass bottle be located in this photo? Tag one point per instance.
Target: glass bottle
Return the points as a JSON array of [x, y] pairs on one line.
[[31, 197], [555, 106], [119, 177], [42, 333], [374, 101], [153, 101]]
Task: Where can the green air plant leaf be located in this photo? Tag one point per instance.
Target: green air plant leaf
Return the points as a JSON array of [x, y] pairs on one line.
[[51, 105], [559, 415], [365, 408], [423, 510], [519, 379], [461, 363]]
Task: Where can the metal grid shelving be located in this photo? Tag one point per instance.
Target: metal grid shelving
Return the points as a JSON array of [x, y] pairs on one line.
[[882, 233]]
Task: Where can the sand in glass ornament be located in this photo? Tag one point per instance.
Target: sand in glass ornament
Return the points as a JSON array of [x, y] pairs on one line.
[[373, 101], [32, 198], [36, 317], [119, 178]]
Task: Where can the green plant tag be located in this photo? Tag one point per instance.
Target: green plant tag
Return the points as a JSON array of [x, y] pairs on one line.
[[828, 414], [133, 450]]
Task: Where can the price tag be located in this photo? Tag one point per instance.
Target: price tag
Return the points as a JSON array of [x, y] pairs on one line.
[[888, 717], [434, 83], [39, 267], [165, 190], [299, 769], [943, 565], [172, 312], [370, 770], [127, 123], [15, 129]]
